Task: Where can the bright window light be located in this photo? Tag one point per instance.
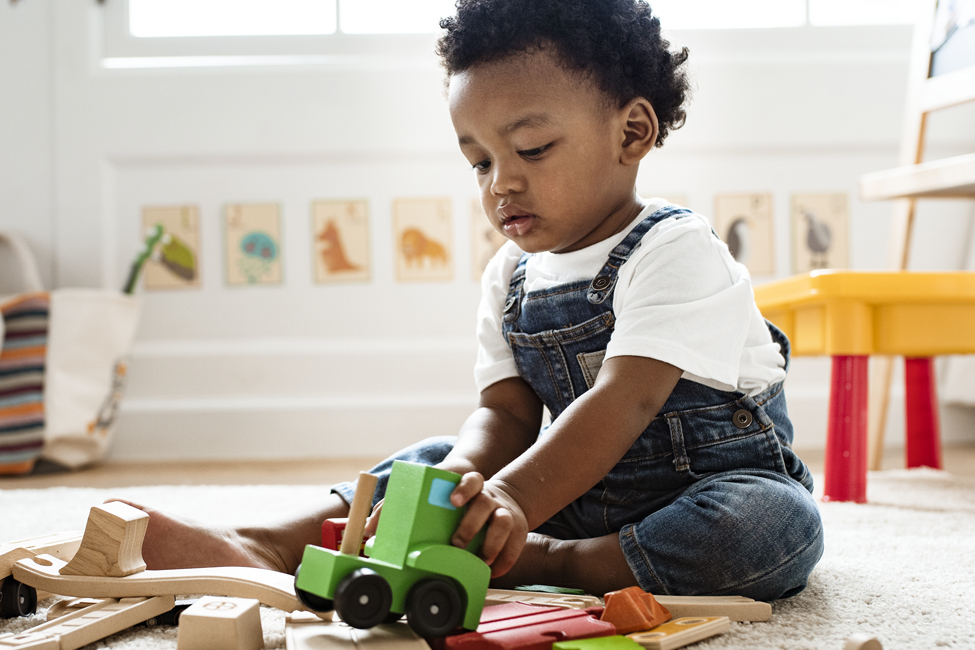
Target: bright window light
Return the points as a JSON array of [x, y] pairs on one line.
[[863, 12], [230, 17], [719, 14], [393, 16]]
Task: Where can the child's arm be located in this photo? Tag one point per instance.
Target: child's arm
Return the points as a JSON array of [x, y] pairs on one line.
[[503, 427], [581, 447]]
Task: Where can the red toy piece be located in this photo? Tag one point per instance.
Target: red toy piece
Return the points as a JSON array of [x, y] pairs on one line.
[[633, 610], [520, 626], [332, 532]]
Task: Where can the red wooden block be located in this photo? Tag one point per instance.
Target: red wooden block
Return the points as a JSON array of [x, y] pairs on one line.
[[520, 626], [633, 610], [332, 532]]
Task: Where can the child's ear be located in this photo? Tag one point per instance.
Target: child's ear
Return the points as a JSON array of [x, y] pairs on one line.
[[639, 130]]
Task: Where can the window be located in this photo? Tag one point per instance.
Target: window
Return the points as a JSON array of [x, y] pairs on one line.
[[161, 18]]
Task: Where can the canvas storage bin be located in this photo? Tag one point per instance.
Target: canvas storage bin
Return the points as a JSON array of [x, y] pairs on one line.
[[62, 368]]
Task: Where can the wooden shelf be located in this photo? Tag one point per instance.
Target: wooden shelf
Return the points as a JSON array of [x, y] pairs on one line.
[[948, 178]]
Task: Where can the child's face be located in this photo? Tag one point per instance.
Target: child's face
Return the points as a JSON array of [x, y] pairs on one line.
[[547, 149]]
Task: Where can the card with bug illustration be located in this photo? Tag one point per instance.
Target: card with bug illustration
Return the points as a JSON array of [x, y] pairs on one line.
[[252, 240], [174, 262], [485, 240], [340, 240], [745, 223], [422, 237], [820, 232]]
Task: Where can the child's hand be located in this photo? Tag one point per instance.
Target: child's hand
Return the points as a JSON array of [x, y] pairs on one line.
[[372, 523], [487, 503]]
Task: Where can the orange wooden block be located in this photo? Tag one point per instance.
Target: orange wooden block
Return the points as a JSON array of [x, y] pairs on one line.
[[633, 610]]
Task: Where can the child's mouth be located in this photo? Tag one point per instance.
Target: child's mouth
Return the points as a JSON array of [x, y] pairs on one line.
[[518, 224]]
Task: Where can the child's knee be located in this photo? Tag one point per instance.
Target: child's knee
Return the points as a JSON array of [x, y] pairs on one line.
[[757, 535]]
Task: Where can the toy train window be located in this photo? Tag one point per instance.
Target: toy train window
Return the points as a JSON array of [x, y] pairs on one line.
[[440, 490]]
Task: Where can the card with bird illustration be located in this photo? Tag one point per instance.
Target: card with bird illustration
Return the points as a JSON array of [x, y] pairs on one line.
[[174, 261], [820, 232], [252, 241], [745, 222], [485, 240], [340, 240], [422, 238]]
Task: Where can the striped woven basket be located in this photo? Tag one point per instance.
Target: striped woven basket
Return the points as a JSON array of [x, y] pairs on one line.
[[22, 358]]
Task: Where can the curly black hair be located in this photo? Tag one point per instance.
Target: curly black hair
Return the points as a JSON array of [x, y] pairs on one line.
[[616, 42]]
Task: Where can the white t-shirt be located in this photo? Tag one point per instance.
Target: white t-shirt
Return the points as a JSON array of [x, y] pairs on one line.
[[680, 298]]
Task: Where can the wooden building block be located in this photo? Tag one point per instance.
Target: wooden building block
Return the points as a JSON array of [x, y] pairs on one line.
[[518, 626], [632, 610], [499, 596], [682, 631], [736, 608], [269, 587], [88, 623], [305, 631], [112, 543], [863, 642], [617, 642], [216, 623]]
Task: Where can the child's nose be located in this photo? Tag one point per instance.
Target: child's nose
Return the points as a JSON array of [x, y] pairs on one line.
[[506, 179]]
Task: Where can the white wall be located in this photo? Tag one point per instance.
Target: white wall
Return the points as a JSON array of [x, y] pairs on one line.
[[311, 370]]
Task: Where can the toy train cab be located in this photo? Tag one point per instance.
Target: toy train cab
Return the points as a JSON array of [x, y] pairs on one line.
[[411, 568]]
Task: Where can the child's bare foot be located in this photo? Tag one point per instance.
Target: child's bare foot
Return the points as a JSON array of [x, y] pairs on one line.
[[175, 543]]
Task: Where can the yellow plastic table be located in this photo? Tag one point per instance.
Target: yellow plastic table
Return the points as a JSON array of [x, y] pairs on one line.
[[850, 315]]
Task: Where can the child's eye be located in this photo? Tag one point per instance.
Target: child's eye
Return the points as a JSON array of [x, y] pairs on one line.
[[482, 166], [534, 153]]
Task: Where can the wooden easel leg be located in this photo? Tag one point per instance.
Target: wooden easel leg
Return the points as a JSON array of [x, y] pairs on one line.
[[881, 374]]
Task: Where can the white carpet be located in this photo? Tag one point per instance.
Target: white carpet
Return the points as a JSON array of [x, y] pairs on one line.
[[901, 567]]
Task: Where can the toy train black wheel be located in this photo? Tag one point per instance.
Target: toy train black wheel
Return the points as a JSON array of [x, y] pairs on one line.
[[310, 600], [363, 598], [16, 598], [434, 608]]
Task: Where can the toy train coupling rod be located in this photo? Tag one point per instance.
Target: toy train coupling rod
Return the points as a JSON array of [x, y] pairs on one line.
[[358, 513]]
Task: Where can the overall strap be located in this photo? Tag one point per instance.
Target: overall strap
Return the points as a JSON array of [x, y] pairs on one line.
[[602, 285], [512, 304]]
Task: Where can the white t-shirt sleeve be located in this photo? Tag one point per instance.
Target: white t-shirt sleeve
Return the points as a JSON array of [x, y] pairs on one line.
[[494, 359], [682, 299]]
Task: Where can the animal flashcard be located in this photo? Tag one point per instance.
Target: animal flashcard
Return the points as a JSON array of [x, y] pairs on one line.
[[340, 231], [485, 240], [423, 235], [252, 239], [745, 223], [820, 232], [174, 262]]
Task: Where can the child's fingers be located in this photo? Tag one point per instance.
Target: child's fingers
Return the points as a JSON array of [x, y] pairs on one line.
[[470, 486], [499, 531], [372, 523], [479, 511], [508, 556]]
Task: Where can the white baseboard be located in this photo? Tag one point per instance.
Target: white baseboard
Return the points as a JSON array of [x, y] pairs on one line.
[[301, 398]]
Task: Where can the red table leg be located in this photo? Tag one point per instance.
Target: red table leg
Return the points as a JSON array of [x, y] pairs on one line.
[[921, 400], [846, 437]]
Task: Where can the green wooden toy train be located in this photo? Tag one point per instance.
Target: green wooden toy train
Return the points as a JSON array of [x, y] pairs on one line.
[[411, 568]]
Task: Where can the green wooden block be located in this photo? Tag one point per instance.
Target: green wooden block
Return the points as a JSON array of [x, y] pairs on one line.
[[599, 643]]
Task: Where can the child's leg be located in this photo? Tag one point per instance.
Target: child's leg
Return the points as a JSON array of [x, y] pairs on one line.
[[753, 533], [174, 543]]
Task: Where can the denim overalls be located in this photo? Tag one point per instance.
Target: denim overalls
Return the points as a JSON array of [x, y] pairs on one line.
[[710, 499]]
